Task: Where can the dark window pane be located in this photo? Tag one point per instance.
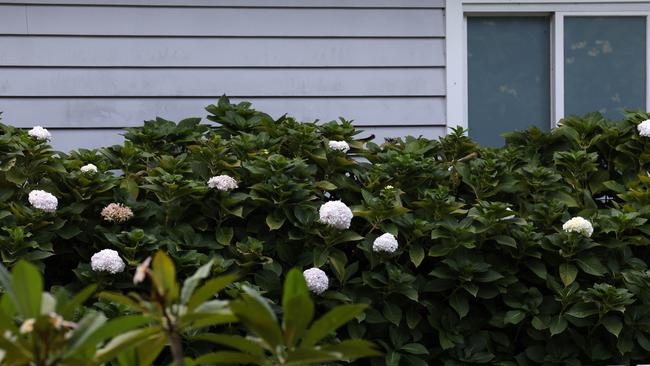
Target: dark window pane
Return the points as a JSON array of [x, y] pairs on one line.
[[604, 64], [508, 76]]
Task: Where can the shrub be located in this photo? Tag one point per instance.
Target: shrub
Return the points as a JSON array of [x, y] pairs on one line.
[[483, 271]]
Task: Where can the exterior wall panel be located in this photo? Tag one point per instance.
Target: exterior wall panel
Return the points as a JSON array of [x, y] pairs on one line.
[[88, 68]]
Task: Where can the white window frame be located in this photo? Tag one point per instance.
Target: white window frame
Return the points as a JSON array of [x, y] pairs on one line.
[[457, 11]]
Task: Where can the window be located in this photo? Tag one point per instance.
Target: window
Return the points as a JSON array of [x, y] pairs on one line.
[[508, 67], [604, 64], [534, 62]]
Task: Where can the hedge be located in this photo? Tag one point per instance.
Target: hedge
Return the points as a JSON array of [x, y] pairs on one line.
[[489, 268]]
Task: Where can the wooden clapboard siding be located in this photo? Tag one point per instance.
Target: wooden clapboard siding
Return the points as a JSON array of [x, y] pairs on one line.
[[184, 82], [238, 22], [88, 68], [189, 52], [129, 112]]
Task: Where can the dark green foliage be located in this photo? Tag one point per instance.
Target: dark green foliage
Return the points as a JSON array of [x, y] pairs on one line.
[[484, 273]]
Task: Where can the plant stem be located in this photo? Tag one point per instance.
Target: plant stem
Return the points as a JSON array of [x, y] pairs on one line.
[[177, 347]]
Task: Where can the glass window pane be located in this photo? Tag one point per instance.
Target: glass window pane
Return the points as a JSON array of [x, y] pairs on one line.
[[604, 65], [508, 76]]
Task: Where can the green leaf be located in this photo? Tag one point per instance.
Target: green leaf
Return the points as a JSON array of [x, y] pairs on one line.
[[568, 273], [538, 268], [612, 324], [558, 325], [224, 235], [506, 240], [325, 185], [592, 266], [233, 341], [124, 341], [66, 310], [415, 349], [255, 313], [27, 285], [275, 220], [514, 316], [297, 306], [226, 357], [191, 282], [459, 302], [121, 299], [88, 325], [393, 313], [416, 253], [164, 276], [130, 185], [330, 322], [209, 289], [353, 349], [392, 359]]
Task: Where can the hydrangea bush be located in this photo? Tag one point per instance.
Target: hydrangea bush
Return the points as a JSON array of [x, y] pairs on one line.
[[534, 253]]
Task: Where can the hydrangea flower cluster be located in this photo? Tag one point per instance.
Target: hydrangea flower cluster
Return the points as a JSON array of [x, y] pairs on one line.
[[222, 183], [89, 168], [107, 260], [341, 146], [385, 243], [336, 214], [644, 128], [578, 225], [116, 212], [40, 133], [42, 200], [317, 280]]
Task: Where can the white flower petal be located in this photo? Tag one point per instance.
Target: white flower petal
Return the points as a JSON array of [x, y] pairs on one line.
[[336, 214], [317, 280], [107, 260]]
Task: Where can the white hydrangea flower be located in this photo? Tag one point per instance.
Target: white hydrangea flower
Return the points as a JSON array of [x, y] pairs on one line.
[[107, 260], [339, 146], [644, 128], [40, 133], [89, 168], [336, 214], [42, 200], [317, 280], [385, 243], [222, 183], [578, 225]]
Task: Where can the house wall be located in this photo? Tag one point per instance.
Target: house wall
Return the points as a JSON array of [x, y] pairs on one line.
[[87, 68]]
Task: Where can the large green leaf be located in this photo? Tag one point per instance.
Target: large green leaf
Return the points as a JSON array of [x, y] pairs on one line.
[[190, 284], [209, 289], [330, 322], [27, 286], [255, 313], [297, 307]]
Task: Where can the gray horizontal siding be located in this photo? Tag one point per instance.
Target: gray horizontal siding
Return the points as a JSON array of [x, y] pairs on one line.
[[129, 112], [206, 82], [220, 52], [64, 139], [87, 68], [246, 3], [250, 22]]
